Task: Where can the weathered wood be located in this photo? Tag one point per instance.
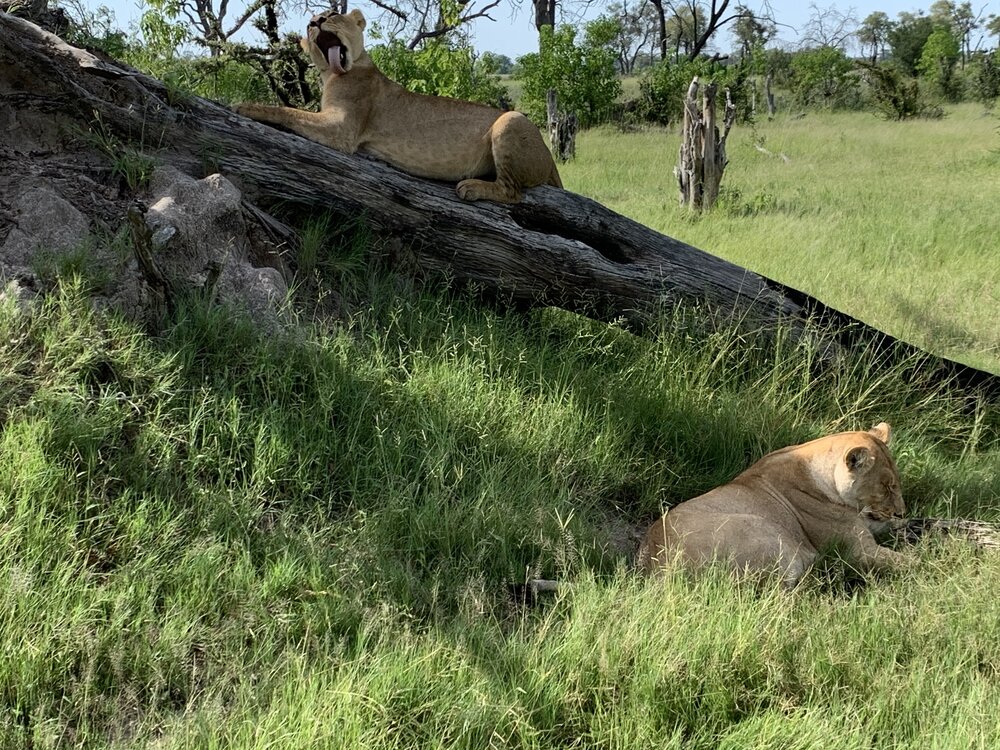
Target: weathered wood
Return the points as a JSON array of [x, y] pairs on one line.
[[702, 157], [562, 129], [553, 248]]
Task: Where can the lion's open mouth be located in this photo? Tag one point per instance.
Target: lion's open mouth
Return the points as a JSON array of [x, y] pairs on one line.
[[333, 49]]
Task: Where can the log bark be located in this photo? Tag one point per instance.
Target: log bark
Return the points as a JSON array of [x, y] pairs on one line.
[[553, 248]]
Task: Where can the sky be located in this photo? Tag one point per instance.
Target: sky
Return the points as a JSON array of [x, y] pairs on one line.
[[512, 31]]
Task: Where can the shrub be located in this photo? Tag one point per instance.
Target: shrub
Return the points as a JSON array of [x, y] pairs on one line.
[[937, 63], [825, 77], [894, 95], [583, 75], [664, 86], [985, 79], [441, 68]]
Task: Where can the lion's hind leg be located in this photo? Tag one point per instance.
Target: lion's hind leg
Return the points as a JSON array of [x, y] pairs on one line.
[[520, 158]]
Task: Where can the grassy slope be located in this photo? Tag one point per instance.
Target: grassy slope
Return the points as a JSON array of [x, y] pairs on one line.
[[213, 540], [895, 223]]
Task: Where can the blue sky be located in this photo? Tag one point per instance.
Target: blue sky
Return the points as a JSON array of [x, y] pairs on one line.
[[512, 33]]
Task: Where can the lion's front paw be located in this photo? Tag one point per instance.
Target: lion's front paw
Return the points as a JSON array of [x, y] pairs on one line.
[[468, 190]]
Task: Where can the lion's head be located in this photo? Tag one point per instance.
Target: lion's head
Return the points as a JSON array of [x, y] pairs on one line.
[[864, 472], [339, 39]]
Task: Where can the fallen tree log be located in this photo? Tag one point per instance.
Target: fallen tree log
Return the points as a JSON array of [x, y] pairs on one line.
[[553, 248]]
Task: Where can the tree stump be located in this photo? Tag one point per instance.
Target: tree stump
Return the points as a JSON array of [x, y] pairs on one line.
[[562, 128], [702, 157]]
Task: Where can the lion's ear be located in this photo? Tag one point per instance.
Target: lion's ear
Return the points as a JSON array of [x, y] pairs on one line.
[[859, 459], [358, 18], [882, 431]]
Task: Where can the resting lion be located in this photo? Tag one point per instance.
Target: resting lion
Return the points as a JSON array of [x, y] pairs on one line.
[[777, 515], [493, 154]]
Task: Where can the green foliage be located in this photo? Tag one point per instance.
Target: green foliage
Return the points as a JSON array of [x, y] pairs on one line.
[[985, 83], [663, 87], [493, 63], [937, 62], [96, 28], [583, 75], [907, 38], [778, 62], [825, 77], [895, 96], [162, 33], [440, 67], [129, 164]]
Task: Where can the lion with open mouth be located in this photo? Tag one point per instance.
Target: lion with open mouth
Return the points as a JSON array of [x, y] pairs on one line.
[[493, 155]]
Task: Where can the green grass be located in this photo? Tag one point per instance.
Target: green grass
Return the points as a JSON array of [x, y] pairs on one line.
[[220, 539], [894, 223]]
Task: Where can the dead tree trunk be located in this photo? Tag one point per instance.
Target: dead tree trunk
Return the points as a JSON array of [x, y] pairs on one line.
[[702, 157], [562, 129], [769, 95], [553, 248]]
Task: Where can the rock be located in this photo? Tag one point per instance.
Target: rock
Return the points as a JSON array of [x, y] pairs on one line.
[[44, 224], [199, 241]]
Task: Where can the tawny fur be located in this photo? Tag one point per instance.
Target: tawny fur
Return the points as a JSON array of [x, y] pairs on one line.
[[777, 515], [493, 155]]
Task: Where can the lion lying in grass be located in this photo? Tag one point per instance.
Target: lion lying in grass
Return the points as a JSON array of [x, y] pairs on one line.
[[492, 154], [777, 515]]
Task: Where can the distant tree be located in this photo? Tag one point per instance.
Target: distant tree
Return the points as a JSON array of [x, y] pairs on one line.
[[992, 27], [636, 27], [778, 64], [418, 21], [691, 24], [829, 27], [823, 77], [986, 83], [961, 19], [874, 33], [683, 28], [937, 61], [907, 38], [493, 63], [751, 31], [582, 74]]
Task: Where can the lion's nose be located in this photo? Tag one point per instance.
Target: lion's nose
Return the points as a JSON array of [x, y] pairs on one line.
[[317, 21]]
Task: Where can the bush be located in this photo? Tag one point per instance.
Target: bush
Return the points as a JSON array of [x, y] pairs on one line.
[[825, 77], [440, 68], [984, 83], [937, 63], [896, 96], [664, 86], [583, 76]]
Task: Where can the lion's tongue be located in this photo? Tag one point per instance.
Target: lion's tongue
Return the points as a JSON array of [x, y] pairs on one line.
[[333, 56]]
